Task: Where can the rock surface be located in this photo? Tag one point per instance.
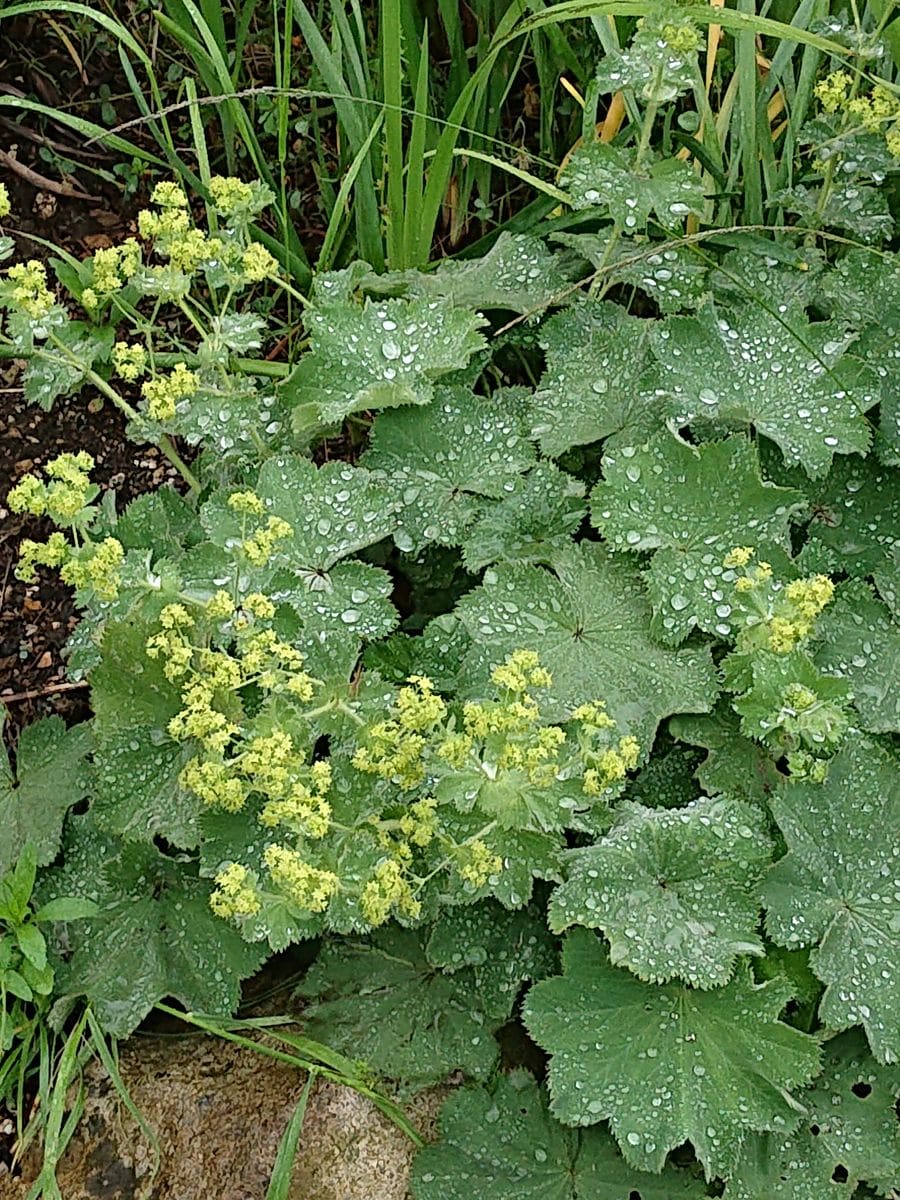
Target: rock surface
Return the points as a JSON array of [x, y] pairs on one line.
[[218, 1112]]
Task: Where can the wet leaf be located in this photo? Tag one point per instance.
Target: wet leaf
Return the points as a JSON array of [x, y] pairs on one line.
[[665, 1064], [675, 891], [691, 505], [838, 889]]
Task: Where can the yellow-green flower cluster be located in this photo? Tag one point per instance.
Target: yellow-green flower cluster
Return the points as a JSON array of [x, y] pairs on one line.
[[606, 764], [235, 894], [214, 784], [169, 194], [878, 112], [30, 292], [129, 360], [247, 503], [5, 206], [260, 547], [61, 500], [778, 618], [258, 264], [305, 809], [683, 39], [833, 90], [419, 822], [388, 890], [97, 567], [163, 226], [52, 553], [304, 885], [476, 864], [112, 267], [164, 392]]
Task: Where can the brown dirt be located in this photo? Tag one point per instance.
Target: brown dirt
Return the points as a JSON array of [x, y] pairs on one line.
[[219, 1112]]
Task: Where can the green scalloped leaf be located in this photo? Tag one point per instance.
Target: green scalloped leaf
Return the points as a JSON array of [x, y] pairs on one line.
[[838, 889], [382, 1001], [675, 891], [154, 936], [443, 461], [51, 774], [589, 619], [600, 175], [855, 523], [596, 356], [503, 947], [537, 518], [666, 1064], [690, 505], [861, 643], [381, 355], [789, 379], [850, 1134], [734, 765], [136, 763], [500, 1143]]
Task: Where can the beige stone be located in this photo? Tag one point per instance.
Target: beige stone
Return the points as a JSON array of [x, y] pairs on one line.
[[219, 1112]]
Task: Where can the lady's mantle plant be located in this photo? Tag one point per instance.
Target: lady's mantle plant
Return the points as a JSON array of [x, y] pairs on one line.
[[572, 697]]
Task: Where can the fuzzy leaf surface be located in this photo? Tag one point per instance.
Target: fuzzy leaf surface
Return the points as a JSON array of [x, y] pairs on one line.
[[861, 643], [381, 1000], [675, 891], [589, 619], [850, 1134], [667, 1064], [385, 354], [787, 378], [595, 357], [856, 518], [502, 1143], [444, 460], [136, 763], [838, 888], [600, 175], [691, 505], [155, 935], [51, 775]]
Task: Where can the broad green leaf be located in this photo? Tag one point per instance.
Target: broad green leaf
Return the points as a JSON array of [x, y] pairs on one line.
[[691, 505], [675, 891], [837, 889], [668, 780], [862, 212], [599, 175], [734, 765], [674, 276], [49, 374], [861, 643], [230, 415], [153, 937], [537, 517], [161, 521], [775, 371], [51, 775], [650, 65], [760, 269], [667, 1064], [501, 1143], [589, 619], [444, 460], [850, 1134], [855, 523], [518, 273], [136, 763], [864, 287], [503, 948], [382, 1001], [525, 854], [766, 707], [385, 354], [596, 356]]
